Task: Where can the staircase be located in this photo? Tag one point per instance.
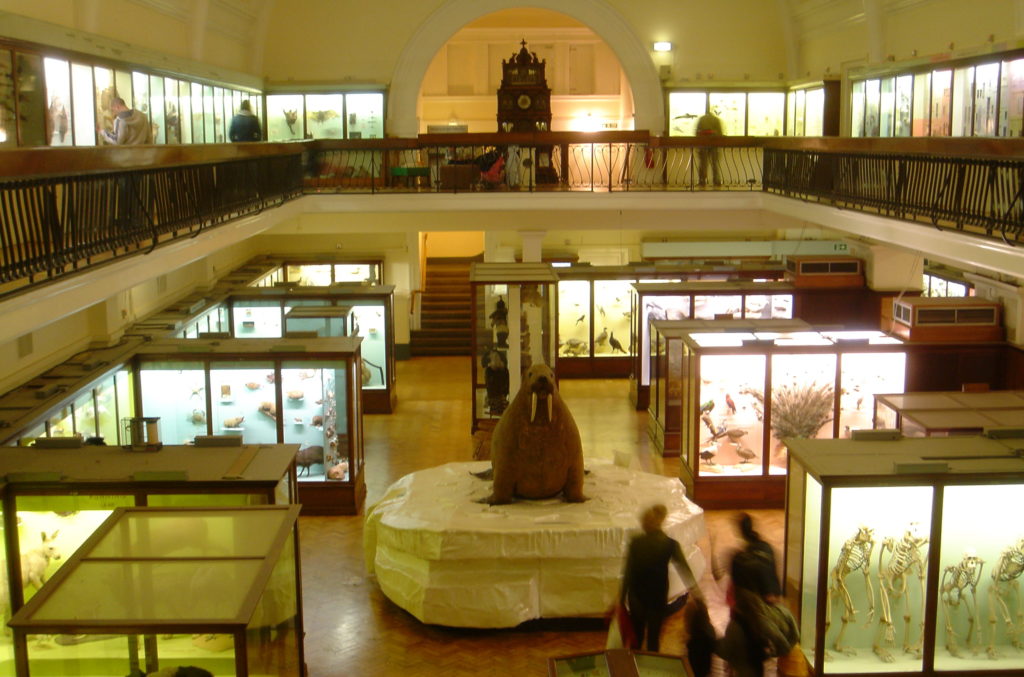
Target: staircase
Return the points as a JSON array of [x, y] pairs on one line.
[[445, 314]]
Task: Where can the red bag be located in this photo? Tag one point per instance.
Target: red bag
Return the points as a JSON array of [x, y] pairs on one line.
[[620, 629]]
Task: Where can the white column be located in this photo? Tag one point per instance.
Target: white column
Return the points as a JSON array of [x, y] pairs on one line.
[[532, 241]]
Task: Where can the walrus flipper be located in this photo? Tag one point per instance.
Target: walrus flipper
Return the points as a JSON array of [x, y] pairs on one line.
[[487, 474]]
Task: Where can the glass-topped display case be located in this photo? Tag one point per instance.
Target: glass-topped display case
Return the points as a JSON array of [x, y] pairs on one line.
[[709, 300], [617, 663], [259, 313], [941, 414], [513, 327], [56, 497], [323, 273], [899, 557], [318, 322], [725, 393], [266, 391], [154, 589]]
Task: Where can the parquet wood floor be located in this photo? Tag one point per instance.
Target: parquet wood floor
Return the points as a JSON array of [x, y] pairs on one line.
[[353, 630]]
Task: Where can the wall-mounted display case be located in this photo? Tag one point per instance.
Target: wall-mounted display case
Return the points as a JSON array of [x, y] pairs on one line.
[[322, 273], [55, 498], [157, 588], [900, 557], [617, 663], [941, 414], [266, 391], [651, 301], [725, 394], [513, 328]]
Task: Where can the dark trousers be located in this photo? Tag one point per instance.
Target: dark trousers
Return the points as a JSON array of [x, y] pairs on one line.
[[647, 619]]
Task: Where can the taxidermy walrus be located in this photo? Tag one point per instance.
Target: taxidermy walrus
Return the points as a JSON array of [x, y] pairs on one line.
[[536, 450]]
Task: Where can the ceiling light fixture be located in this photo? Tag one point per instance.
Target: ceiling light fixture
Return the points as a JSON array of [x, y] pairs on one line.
[[663, 46]]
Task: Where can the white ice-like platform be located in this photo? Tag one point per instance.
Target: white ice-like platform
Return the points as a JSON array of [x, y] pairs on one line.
[[449, 560]]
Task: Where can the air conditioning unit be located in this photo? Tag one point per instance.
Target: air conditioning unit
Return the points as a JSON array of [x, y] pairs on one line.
[[947, 319], [824, 271]]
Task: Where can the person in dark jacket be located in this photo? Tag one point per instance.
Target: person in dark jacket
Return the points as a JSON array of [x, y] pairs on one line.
[[645, 579], [245, 126]]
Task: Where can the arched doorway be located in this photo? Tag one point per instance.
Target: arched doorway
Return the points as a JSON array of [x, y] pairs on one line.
[[631, 52]]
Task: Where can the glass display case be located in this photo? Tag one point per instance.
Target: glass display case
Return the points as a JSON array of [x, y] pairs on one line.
[[318, 322], [57, 497], [266, 391], [157, 588], [261, 312], [323, 273], [593, 323], [941, 414], [513, 327], [726, 393], [897, 556], [617, 663], [652, 301]]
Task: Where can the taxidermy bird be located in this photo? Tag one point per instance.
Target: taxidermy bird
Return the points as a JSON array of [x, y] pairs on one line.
[[600, 309], [602, 338], [707, 455], [730, 403], [746, 454], [707, 406], [614, 343], [734, 434], [580, 319], [709, 423]]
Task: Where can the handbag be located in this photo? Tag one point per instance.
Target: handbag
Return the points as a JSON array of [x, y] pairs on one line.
[[793, 664]]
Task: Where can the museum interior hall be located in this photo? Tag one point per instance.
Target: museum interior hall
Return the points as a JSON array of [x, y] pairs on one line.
[[770, 251]]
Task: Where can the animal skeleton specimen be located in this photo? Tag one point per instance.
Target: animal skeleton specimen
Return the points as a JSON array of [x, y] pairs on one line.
[[956, 580], [1005, 584], [855, 555], [905, 557]]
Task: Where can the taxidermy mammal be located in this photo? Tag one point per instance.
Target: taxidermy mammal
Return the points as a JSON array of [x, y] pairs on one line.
[[536, 450]]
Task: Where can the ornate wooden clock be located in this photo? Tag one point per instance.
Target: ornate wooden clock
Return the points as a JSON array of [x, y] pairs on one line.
[[524, 104]]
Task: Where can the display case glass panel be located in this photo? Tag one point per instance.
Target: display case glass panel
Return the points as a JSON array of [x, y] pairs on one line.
[[683, 110], [313, 419], [717, 306], [857, 108], [814, 112], [209, 115], [922, 104], [256, 318], [32, 103], [898, 520], [184, 113], [887, 107], [174, 392], [658, 308], [218, 115], [172, 120], [310, 275], [106, 410], [963, 101], [324, 116], [811, 530], [85, 414], [157, 119], [244, 401], [8, 122], [942, 102], [124, 384], [986, 92], [803, 400], [61, 423], [140, 93], [365, 115], [800, 113], [1011, 98], [574, 332], [872, 95], [766, 113], [731, 414], [59, 119], [864, 375], [731, 108], [768, 306], [198, 125], [324, 325], [611, 317], [904, 96], [285, 116], [368, 319], [980, 563], [357, 272]]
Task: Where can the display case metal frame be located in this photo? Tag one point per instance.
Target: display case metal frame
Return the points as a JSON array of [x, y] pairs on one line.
[[644, 295], [617, 663], [133, 556], [329, 497], [676, 415], [530, 292], [252, 473], [879, 469]]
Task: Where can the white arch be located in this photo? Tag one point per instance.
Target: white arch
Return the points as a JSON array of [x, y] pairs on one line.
[[598, 15]]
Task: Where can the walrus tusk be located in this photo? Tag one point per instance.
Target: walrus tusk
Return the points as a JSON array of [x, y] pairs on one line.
[[550, 405], [533, 406]]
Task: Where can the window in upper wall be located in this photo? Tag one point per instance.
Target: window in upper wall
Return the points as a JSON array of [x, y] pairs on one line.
[[58, 102], [936, 286], [942, 102]]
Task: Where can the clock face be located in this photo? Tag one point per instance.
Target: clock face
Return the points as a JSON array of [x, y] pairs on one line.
[[524, 101]]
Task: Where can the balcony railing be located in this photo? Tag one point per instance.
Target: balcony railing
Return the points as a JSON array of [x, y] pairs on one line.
[[62, 210]]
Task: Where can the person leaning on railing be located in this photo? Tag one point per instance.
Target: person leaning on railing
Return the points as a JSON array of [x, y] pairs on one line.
[[708, 124]]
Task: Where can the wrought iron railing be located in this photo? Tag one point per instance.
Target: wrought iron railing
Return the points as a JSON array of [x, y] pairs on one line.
[[62, 210], [980, 195]]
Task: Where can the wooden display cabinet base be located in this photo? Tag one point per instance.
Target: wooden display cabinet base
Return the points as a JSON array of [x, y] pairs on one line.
[[332, 498], [379, 401], [722, 493]]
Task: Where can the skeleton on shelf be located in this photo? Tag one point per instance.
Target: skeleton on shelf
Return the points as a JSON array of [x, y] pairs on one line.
[[905, 558], [855, 555], [1004, 591], [957, 580]]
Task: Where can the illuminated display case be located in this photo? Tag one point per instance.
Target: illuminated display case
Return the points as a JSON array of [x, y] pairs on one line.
[[318, 322], [651, 301], [260, 313], [322, 273], [156, 588], [594, 321], [941, 414], [617, 663], [725, 393], [55, 498], [896, 548], [266, 391], [513, 327]]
